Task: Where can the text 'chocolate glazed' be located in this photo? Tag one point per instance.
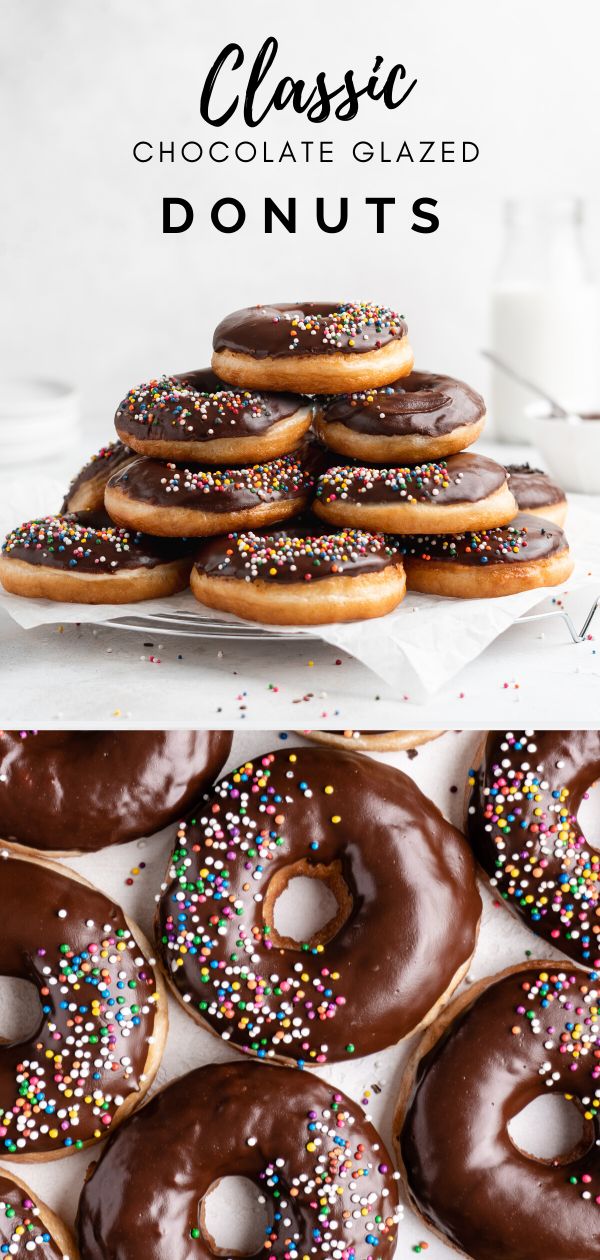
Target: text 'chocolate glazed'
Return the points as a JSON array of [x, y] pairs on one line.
[[96, 1048], [308, 328], [77, 791], [316, 1161], [403, 934], [528, 1033]]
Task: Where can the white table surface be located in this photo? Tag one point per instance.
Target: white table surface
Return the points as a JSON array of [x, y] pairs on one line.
[[440, 769], [99, 676]]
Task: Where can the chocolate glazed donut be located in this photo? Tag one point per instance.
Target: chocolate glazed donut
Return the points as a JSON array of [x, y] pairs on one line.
[[508, 1041], [303, 573], [528, 553], [424, 415], [312, 347], [537, 493], [27, 1225], [463, 492], [192, 501], [373, 741], [103, 1012], [527, 789], [81, 557], [402, 937], [77, 791], [86, 491], [321, 1166], [194, 415]]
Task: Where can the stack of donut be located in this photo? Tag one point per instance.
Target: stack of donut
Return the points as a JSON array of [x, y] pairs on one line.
[[307, 477], [465, 526]]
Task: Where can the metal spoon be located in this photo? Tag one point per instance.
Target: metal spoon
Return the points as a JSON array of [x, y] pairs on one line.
[[557, 407]]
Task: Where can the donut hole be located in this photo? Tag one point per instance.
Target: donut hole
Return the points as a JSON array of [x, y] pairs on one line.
[[552, 1130], [234, 1217], [306, 904], [20, 1010], [588, 815]]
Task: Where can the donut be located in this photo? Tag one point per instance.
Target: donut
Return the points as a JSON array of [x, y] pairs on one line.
[[79, 558], [508, 1040], [400, 941], [372, 741], [525, 793], [28, 1226], [316, 1160], [423, 416], [73, 792], [103, 1012], [312, 347], [86, 491], [537, 493], [196, 416], [175, 500], [529, 552], [455, 494], [302, 576]]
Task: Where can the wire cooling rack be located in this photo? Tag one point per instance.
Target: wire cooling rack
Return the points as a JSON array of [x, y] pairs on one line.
[[192, 625]]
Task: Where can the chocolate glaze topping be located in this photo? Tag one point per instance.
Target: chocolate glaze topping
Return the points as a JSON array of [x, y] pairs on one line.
[[326, 1176], [296, 554], [82, 790], [62, 1086], [308, 328], [21, 1230], [535, 1029], [165, 484], [81, 543], [527, 538], [522, 824], [533, 488], [424, 403], [198, 407], [461, 478], [412, 921], [99, 468]]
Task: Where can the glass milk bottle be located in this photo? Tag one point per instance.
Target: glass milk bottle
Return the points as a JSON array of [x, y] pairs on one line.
[[545, 315]]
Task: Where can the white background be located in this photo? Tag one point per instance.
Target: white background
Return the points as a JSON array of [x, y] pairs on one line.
[[91, 291], [441, 770]]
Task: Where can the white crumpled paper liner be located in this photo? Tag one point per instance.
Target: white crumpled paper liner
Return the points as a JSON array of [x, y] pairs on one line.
[[417, 648]]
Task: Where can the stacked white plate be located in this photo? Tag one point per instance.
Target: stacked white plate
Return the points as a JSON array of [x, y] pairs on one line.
[[39, 421]]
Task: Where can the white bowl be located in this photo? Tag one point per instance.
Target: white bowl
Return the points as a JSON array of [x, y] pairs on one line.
[[39, 420], [571, 449], [37, 397]]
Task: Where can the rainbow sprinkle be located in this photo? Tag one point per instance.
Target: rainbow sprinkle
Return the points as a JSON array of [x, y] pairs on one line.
[[186, 408], [423, 481], [217, 871], [542, 864]]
